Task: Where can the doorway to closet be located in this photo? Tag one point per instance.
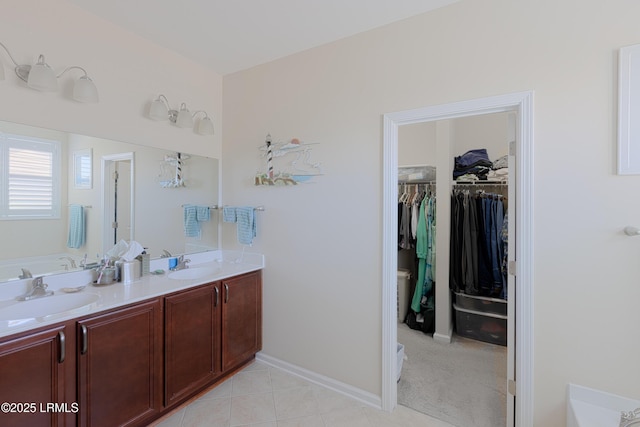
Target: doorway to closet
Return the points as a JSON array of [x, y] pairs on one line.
[[453, 239], [118, 203], [520, 335]]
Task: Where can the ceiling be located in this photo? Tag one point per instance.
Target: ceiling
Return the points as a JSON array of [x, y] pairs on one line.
[[231, 35]]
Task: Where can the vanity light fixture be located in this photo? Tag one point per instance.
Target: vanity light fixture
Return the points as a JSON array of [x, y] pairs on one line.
[[41, 76], [160, 110]]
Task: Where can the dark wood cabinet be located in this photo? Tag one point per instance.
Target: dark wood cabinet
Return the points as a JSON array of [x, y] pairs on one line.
[[192, 341], [120, 366], [209, 331], [37, 371], [241, 318], [114, 368]]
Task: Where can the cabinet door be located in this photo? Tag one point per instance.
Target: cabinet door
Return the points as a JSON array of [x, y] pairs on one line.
[[192, 341], [33, 373], [241, 319], [120, 366]]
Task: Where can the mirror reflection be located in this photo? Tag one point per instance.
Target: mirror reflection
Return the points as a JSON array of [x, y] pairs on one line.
[[66, 199]]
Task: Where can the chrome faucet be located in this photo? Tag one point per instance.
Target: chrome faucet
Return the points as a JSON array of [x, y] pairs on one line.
[[72, 262], [165, 254], [26, 274], [630, 418], [38, 290], [182, 263]]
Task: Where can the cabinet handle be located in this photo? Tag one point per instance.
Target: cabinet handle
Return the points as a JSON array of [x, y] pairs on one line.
[[83, 330], [217, 295], [63, 349], [226, 293]]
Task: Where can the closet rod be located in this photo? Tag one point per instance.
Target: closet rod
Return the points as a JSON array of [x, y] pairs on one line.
[[415, 182], [494, 183]]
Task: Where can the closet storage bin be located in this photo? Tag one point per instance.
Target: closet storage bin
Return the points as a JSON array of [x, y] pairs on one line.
[[487, 327], [482, 304], [404, 277]]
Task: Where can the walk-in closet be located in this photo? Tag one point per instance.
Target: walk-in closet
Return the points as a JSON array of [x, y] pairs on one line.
[[453, 241]]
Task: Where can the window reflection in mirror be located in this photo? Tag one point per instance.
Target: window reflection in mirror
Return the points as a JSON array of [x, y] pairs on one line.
[[158, 223]]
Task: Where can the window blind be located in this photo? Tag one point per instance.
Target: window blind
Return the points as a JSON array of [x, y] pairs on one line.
[[30, 178]]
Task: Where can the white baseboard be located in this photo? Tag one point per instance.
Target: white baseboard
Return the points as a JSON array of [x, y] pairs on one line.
[[444, 338], [362, 396]]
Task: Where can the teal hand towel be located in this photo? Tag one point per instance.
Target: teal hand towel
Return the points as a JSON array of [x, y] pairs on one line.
[[202, 213], [228, 214], [245, 217], [77, 228], [191, 226]]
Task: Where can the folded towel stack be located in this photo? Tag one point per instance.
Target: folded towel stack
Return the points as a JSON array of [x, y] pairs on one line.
[[77, 228], [244, 216]]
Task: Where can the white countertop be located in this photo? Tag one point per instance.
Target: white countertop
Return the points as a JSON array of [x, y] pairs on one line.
[[222, 265]]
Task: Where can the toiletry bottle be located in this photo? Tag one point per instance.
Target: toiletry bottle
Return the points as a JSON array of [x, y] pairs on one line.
[[145, 260]]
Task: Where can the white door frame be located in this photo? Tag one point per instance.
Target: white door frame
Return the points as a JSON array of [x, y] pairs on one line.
[[522, 102], [107, 230]]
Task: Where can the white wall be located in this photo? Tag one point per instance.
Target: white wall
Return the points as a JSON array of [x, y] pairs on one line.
[[490, 131], [128, 71], [417, 144], [322, 307]]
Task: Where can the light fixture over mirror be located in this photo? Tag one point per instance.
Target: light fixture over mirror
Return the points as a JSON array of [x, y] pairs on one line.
[[41, 76], [160, 110]]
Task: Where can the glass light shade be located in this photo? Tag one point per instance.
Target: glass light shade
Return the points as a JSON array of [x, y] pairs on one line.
[[85, 91], [42, 77], [158, 110], [205, 126], [184, 119]]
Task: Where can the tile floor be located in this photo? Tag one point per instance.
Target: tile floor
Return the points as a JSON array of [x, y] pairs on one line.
[[263, 396]]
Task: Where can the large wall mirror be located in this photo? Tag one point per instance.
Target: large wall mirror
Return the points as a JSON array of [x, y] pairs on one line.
[[50, 181]]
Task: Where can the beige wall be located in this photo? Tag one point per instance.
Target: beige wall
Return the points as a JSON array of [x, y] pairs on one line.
[[25, 234], [128, 71], [417, 144], [490, 131], [323, 241], [322, 307]]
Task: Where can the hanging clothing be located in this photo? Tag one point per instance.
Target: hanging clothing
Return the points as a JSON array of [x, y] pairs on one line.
[[478, 241], [405, 238], [416, 232], [425, 252], [422, 313], [504, 235]]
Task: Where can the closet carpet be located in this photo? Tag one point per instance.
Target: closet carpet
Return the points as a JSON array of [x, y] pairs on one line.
[[462, 383]]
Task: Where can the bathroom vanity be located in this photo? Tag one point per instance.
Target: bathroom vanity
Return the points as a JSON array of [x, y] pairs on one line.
[[138, 351]]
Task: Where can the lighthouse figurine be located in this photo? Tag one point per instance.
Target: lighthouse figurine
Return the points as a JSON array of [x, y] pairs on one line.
[[269, 158]]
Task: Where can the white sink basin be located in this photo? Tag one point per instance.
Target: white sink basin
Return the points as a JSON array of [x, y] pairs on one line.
[[193, 273], [47, 306]]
